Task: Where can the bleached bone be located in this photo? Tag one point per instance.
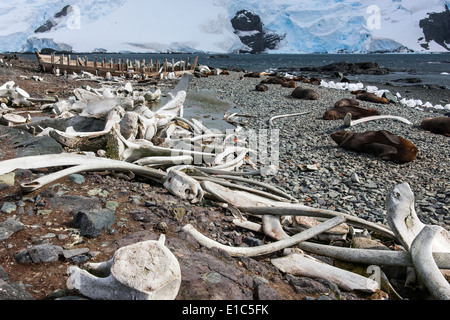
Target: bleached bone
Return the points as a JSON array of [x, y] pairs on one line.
[[306, 266], [183, 186], [46, 161], [152, 96], [287, 115], [272, 227], [173, 106], [151, 161], [404, 222], [73, 139], [182, 84], [267, 248], [348, 119], [425, 266], [249, 203], [89, 165], [141, 271], [133, 151], [354, 255], [210, 183]]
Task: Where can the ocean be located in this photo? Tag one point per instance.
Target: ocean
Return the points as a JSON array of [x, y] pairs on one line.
[[432, 69]]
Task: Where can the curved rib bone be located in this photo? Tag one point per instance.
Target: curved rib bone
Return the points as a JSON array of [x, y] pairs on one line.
[[404, 222], [287, 115], [264, 249], [348, 119], [107, 164], [426, 268]]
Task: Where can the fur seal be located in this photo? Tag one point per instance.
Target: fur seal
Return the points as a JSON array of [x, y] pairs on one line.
[[274, 80], [371, 97], [289, 84], [439, 125], [356, 112], [305, 94], [383, 144], [261, 87], [346, 102]]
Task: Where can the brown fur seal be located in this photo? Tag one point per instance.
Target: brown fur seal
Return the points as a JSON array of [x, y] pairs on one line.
[[371, 97], [274, 80], [289, 84], [383, 144], [356, 112], [305, 94], [439, 125], [346, 102], [261, 87]]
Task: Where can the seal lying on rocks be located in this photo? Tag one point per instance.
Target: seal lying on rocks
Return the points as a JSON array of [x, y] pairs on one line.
[[356, 112], [371, 97], [383, 144], [261, 87], [439, 125], [346, 102], [305, 94]]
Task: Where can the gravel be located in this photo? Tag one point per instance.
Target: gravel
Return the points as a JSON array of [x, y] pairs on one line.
[[346, 181]]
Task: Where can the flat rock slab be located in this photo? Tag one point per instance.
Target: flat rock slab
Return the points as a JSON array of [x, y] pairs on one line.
[[93, 223]]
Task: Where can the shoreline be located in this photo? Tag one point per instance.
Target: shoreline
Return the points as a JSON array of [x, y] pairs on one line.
[[348, 182]]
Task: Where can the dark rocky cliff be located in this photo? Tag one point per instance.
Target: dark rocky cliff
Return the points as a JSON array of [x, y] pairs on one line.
[[250, 29], [437, 27]]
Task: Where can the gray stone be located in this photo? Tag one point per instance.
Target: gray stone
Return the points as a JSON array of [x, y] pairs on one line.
[[8, 207], [74, 203], [390, 96], [93, 223], [9, 227], [13, 291], [39, 253], [77, 178]]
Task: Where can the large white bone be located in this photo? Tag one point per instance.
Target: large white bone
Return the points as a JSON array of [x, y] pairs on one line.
[[348, 119], [404, 222], [183, 186], [425, 266], [142, 271], [107, 164], [267, 248], [306, 266]]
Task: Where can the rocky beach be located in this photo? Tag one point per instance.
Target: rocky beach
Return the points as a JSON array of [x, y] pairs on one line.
[[40, 238]]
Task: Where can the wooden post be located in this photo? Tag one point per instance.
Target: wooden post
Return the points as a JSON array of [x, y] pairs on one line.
[[95, 62], [151, 65], [85, 61], [61, 59], [53, 58], [173, 65], [68, 59]]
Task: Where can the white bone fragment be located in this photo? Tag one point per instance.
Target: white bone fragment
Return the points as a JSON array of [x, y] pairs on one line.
[[404, 222], [141, 271], [348, 119], [425, 266], [267, 248], [183, 186], [164, 160], [287, 115], [302, 265]]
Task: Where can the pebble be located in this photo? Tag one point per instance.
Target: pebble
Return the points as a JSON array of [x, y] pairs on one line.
[[8, 207], [77, 178]]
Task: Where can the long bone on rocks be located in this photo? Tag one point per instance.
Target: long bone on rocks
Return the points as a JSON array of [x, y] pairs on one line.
[[106, 164], [348, 119], [404, 222], [142, 271], [307, 266], [267, 248], [425, 266]]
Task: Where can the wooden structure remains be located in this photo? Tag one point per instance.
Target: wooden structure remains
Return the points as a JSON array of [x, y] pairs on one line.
[[49, 63]]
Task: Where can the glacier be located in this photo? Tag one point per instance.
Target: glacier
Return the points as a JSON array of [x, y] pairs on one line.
[[306, 26]]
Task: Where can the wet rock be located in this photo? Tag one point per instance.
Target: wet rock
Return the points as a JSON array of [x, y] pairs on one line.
[[93, 223], [9, 227]]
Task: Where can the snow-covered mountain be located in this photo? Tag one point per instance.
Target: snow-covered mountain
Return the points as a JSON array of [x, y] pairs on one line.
[[223, 26]]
